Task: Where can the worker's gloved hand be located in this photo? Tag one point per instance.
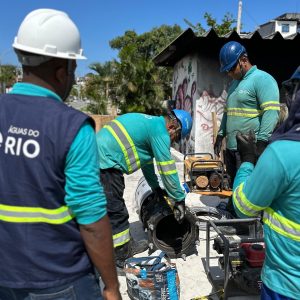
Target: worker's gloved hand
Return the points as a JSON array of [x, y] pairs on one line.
[[160, 193], [218, 145], [260, 147], [179, 211], [246, 146]]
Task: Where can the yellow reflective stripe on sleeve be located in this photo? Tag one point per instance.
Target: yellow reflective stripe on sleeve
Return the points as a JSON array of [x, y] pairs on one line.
[[127, 160], [243, 204], [270, 105], [282, 225], [22, 214], [168, 173], [129, 139], [166, 167], [121, 238], [243, 112], [164, 163]]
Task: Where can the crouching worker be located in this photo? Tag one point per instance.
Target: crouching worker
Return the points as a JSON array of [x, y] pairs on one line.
[[128, 143], [273, 186]]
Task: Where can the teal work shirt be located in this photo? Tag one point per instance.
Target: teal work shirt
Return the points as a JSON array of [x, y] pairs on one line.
[[86, 197], [273, 186], [146, 137], [252, 103]]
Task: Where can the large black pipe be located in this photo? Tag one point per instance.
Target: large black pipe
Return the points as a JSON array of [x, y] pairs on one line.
[[164, 232]]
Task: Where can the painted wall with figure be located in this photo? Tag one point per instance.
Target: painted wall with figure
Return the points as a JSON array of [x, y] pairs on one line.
[[185, 93], [199, 88]]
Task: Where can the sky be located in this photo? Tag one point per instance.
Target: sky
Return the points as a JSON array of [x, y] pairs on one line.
[[100, 21]]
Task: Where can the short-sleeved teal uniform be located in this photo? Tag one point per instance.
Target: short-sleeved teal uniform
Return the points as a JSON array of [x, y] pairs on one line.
[[252, 103]]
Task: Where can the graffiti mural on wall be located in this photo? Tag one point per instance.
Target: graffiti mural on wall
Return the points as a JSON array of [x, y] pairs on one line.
[[184, 91], [197, 96], [184, 99], [205, 105]]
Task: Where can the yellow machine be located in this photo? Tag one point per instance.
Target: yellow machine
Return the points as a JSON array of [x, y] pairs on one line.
[[205, 175]]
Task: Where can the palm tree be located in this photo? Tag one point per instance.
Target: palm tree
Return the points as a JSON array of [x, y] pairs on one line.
[[99, 87]]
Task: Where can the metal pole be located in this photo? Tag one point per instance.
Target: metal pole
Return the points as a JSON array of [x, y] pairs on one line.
[[239, 18]]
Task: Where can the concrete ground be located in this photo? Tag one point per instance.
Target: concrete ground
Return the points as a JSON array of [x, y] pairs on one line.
[[193, 279]]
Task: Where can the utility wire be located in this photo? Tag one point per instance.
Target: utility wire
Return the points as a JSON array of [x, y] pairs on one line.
[[251, 17]]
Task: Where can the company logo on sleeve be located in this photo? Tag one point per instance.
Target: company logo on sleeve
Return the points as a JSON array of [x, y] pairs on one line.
[[148, 116], [20, 142]]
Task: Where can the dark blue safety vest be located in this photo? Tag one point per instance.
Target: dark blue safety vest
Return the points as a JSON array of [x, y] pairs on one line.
[[41, 244]]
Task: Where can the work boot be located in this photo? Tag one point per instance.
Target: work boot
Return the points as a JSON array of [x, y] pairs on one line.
[[121, 254], [128, 250]]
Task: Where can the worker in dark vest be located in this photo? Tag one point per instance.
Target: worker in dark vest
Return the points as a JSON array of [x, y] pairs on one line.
[[131, 142], [53, 221]]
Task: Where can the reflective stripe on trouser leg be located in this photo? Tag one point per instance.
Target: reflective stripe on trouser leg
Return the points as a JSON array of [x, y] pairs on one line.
[[121, 238], [113, 184]]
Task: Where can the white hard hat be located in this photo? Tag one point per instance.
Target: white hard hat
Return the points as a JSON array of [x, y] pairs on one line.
[[49, 32]]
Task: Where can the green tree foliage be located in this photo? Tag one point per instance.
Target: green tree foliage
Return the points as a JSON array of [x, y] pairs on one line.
[[221, 29], [133, 82], [140, 85], [93, 90], [8, 75], [99, 86]]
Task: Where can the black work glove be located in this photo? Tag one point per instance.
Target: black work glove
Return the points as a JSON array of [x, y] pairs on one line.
[[218, 145], [159, 193], [179, 211], [260, 147], [246, 146]]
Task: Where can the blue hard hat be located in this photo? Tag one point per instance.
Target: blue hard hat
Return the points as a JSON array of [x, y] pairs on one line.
[[185, 120], [229, 55]]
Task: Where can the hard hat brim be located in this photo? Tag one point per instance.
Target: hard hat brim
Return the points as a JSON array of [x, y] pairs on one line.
[[48, 51]]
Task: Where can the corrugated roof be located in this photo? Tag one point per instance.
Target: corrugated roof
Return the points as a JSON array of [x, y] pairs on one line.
[[289, 16], [187, 40], [275, 54]]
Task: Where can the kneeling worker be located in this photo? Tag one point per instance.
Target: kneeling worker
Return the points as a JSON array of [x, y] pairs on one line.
[[128, 143]]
